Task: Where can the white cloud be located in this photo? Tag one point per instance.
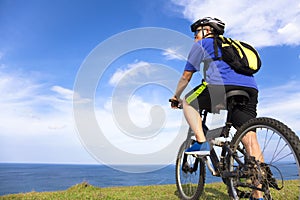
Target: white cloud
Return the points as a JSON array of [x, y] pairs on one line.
[[28, 107], [281, 102], [262, 23], [63, 92], [139, 112], [36, 124], [287, 31], [120, 73], [171, 54]]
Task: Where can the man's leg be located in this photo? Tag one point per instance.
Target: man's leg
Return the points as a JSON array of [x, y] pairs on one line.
[[194, 119], [252, 147], [201, 147]]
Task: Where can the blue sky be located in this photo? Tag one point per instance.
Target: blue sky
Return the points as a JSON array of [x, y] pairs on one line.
[[44, 44]]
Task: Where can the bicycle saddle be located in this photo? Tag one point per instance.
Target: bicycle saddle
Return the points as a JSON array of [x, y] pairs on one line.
[[232, 98], [240, 97]]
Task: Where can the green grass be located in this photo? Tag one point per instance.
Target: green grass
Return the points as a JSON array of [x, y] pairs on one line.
[[215, 191]]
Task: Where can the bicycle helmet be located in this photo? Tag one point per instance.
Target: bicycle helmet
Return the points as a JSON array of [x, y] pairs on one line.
[[217, 25]]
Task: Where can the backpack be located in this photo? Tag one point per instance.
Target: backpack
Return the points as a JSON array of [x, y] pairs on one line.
[[240, 56]]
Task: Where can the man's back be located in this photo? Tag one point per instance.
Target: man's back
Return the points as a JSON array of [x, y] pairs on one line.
[[218, 72]]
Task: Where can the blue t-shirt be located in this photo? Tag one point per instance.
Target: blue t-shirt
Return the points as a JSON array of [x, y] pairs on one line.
[[219, 72]]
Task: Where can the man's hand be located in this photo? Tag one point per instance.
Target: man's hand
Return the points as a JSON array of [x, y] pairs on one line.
[[175, 103]]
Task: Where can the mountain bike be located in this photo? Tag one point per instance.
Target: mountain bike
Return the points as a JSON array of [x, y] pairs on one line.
[[277, 177]]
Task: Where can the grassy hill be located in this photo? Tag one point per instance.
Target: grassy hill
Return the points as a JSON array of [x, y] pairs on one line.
[[213, 191]]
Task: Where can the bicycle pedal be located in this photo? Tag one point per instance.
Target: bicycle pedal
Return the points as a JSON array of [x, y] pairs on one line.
[[273, 183], [186, 167]]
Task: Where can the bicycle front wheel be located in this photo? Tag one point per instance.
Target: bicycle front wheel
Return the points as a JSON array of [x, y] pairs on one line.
[[190, 174], [275, 171]]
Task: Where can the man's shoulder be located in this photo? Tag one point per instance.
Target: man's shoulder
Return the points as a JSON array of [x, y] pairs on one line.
[[206, 43], [208, 40]]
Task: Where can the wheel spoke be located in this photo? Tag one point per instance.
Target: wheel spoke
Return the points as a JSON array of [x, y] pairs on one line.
[[269, 140], [275, 151]]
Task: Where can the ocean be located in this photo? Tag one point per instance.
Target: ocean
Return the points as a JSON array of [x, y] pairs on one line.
[[20, 178]]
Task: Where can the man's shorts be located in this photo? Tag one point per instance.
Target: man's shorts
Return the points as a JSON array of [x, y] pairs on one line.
[[209, 96]]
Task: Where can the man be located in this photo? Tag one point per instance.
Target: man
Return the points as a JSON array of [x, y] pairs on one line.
[[219, 78]]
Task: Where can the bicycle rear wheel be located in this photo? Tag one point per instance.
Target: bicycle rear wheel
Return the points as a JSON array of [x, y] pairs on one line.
[[190, 174], [278, 173]]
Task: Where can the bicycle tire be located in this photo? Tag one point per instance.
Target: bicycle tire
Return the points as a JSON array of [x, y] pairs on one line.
[[189, 184], [281, 162]]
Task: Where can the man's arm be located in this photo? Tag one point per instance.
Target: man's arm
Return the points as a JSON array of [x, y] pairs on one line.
[[182, 83]]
